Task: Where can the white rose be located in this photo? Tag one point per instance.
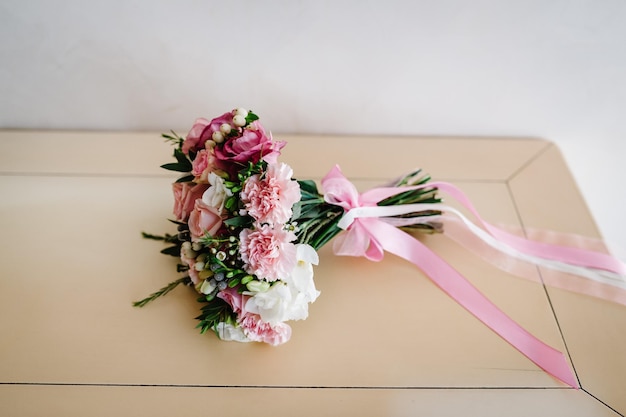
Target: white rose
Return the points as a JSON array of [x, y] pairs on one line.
[[216, 194]]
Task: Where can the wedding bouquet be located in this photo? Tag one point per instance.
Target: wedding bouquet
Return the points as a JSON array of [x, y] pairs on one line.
[[248, 231], [248, 235]]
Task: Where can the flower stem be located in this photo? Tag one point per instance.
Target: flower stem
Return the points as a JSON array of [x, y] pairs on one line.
[[169, 287]]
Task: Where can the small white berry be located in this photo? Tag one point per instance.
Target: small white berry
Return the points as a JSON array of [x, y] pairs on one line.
[[218, 137], [241, 111], [225, 128], [239, 121]]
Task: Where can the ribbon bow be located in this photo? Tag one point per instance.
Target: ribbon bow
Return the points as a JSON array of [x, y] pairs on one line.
[[370, 236]]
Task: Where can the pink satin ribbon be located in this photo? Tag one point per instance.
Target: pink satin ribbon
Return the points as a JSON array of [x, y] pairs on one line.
[[370, 237]]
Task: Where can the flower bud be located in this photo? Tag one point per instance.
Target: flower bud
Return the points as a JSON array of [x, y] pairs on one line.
[[258, 286], [208, 286]]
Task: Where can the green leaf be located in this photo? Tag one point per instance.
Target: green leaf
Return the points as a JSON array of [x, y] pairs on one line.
[[308, 186], [239, 221], [182, 159], [214, 312], [296, 211], [172, 251], [175, 166], [251, 117], [153, 237], [186, 178]]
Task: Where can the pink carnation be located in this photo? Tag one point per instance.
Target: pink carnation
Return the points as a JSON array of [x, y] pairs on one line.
[[267, 252], [253, 327], [202, 130], [269, 199], [259, 331], [185, 196], [251, 146]]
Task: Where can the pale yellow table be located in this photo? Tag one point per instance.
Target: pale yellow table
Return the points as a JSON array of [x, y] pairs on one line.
[[381, 340]]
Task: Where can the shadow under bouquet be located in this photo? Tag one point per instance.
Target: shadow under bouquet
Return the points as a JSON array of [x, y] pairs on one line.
[[248, 232]]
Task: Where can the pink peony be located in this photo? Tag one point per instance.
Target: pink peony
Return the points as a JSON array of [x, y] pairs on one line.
[[267, 252], [269, 199], [251, 146], [204, 219], [202, 130], [185, 196], [259, 331]]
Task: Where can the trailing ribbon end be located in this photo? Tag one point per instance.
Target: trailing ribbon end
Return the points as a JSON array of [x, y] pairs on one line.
[[368, 235]]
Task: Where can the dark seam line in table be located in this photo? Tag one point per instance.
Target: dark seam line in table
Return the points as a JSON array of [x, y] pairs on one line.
[[600, 401], [545, 289], [321, 387], [529, 161]]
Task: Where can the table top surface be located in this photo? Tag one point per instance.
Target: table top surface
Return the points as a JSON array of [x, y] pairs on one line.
[[380, 340]]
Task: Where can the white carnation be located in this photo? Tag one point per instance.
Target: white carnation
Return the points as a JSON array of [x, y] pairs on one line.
[[289, 298]]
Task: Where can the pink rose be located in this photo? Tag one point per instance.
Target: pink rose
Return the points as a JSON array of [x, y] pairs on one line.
[[202, 130], [185, 196], [259, 331], [267, 252], [203, 164], [204, 219], [269, 199], [235, 300], [251, 146]]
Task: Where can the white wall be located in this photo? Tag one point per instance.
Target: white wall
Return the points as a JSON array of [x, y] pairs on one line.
[[554, 69]]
